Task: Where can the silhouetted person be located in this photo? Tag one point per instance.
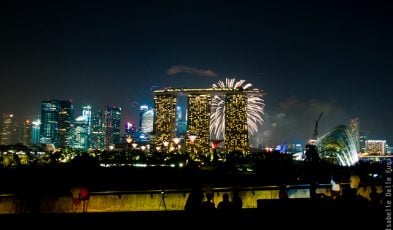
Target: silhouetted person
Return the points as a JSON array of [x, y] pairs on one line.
[[225, 204], [313, 190], [237, 202], [376, 198], [354, 181], [283, 193], [209, 203], [194, 200]]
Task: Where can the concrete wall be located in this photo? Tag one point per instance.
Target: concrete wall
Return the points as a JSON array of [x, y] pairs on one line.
[[146, 201]]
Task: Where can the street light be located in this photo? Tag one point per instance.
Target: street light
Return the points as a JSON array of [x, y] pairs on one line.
[[192, 142], [165, 143], [214, 146], [192, 138], [176, 140], [129, 140]]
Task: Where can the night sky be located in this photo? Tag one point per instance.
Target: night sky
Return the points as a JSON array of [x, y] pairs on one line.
[[308, 57]]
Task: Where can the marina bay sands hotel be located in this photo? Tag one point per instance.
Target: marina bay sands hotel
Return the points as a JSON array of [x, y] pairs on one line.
[[197, 138]]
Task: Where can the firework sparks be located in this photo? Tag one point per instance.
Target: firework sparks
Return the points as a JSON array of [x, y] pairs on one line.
[[255, 107]]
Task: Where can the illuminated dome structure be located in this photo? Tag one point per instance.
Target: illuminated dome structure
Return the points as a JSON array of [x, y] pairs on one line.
[[338, 147]]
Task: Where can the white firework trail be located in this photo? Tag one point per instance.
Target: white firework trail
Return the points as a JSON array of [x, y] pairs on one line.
[[255, 108]]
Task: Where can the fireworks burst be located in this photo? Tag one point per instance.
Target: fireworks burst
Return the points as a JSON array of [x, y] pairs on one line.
[[255, 107]]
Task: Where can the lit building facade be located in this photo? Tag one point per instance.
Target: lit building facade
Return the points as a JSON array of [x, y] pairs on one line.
[[112, 126], [142, 110], [87, 114], [35, 132], [337, 146], [236, 127], [354, 124], [26, 133], [65, 118], [97, 140], [56, 117], [375, 147], [8, 130], [198, 116], [198, 122], [49, 132], [165, 117], [362, 141], [80, 130], [147, 121], [181, 122]]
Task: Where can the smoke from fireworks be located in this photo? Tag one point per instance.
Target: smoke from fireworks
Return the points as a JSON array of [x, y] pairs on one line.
[[255, 107]]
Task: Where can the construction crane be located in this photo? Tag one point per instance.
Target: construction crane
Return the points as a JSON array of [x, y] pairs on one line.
[[315, 134]]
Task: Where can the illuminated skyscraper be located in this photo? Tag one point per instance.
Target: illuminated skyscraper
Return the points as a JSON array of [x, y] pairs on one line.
[[26, 133], [165, 117], [354, 130], [198, 122], [49, 132], [35, 132], [362, 141], [236, 128], [80, 130], [198, 116], [86, 113], [8, 130], [181, 123], [142, 110], [97, 134], [148, 121], [112, 126], [56, 116], [65, 118]]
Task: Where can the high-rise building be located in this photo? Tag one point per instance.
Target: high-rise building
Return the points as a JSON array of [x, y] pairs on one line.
[[112, 126], [142, 110], [236, 128], [26, 133], [148, 121], [80, 131], [375, 147], [388, 149], [56, 116], [49, 119], [35, 132], [181, 123], [362, 141], [86, 113], [8, 130], [165, 117], [198, 122], [65, 118], [354, 124], [98, 132]]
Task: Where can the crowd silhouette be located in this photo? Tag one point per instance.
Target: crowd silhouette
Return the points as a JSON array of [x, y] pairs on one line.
[[203, 202]]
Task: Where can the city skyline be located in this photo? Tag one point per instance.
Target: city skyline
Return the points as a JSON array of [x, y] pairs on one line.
[[307, 57]]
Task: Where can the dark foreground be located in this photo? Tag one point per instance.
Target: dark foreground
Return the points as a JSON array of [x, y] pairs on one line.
[[270, 215]]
